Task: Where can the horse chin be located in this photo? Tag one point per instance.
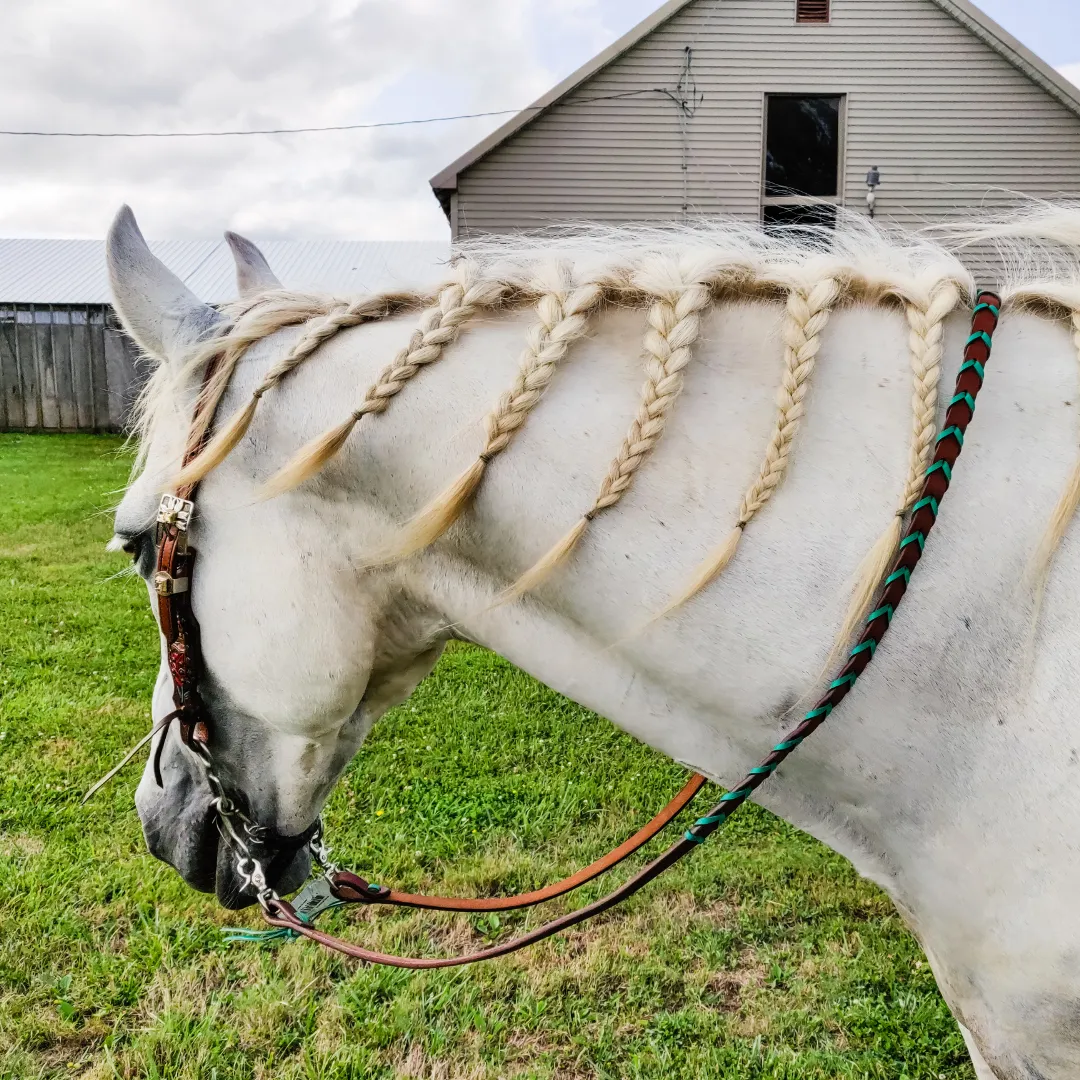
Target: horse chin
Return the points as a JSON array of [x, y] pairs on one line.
[[285, 873]]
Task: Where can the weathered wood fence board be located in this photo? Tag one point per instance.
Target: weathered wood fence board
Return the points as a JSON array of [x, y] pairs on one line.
[[65, 367]]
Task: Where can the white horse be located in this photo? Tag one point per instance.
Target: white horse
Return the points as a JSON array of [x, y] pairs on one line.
[[950, 776]]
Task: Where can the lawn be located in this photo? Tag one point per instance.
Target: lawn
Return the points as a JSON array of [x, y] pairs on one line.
[[762, 956]]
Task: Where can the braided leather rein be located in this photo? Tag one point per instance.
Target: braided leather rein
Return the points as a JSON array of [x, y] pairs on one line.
[[175, 564]]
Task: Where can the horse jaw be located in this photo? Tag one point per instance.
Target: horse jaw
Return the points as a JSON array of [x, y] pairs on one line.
[[253, 273], [157, 309]]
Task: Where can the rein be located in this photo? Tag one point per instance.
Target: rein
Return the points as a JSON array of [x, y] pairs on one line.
[[172, 582]]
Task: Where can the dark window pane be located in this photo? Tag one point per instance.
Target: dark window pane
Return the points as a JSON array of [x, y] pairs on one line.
[[802, 153], [821, 214]]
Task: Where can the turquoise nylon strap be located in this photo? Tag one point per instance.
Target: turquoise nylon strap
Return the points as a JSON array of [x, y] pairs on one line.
[[969, 365], [928, 501], [712, 819], [964, 399], [244, 936], [688, 835], [986, 307], [914, 538], [734, 796], [886, 610], [871, 645], [952, 432], [896, 575], [983, 336], [781, 748], [813, 714], [944, 467], [846, 680]]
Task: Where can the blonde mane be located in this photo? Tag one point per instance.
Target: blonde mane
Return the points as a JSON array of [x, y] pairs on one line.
[[675, 274]]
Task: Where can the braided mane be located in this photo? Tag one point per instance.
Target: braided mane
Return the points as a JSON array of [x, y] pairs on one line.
[[675, 275]]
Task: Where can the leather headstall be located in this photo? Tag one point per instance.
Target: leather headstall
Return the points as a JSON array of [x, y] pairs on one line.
[[172, 583]]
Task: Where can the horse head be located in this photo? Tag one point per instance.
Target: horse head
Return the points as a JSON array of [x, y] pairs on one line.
[[304, 649]]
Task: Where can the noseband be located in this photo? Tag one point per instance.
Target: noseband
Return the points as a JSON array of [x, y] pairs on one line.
[[250, 841]]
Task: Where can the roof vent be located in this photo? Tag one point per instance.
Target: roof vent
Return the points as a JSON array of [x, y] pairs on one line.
[[811, 11]]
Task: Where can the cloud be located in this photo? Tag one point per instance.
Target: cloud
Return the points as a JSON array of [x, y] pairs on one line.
[[1071, 72], [155, 65]]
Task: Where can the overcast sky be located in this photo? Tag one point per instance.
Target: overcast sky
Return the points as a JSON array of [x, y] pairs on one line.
[[162, 65]]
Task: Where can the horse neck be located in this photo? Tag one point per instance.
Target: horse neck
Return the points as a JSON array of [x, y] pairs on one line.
[[756, 640], [710, 685]]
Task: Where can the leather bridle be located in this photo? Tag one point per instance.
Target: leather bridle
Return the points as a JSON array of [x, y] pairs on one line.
[[172, 581], [175, 565]]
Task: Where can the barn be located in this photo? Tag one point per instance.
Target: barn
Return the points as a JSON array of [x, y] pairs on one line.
[[780, 111], [65, 365]]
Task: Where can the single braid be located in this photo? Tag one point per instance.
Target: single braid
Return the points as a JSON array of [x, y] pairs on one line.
[[926, 317], [439, 326], [808, 311], [807, 315], [563, 319], [926, 320], [674, 325]]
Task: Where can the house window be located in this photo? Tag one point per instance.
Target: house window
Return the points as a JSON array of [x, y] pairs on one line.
[[802, 159], [812, 11]]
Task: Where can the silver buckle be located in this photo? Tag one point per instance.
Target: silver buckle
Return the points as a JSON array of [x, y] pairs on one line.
[[175, 511], [170, 586]]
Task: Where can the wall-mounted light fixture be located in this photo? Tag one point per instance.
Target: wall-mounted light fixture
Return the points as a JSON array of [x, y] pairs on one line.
[[873, 181]]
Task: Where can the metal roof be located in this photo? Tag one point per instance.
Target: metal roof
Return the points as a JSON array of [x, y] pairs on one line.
[[963, 11], [73, 271]]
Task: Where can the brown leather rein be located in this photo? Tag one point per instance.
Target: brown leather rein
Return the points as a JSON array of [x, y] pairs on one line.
[[172, 581]]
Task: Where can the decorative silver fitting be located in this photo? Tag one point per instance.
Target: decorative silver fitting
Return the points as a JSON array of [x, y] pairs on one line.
[[175, 511], [170, 586]]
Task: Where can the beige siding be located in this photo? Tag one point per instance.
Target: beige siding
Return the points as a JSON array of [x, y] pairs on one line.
[[950, 122]]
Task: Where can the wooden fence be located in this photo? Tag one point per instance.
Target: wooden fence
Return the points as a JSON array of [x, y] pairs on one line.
[[65, 367]]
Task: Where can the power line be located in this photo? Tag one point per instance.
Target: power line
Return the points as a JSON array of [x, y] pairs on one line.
[[255, 131], [307, 130]]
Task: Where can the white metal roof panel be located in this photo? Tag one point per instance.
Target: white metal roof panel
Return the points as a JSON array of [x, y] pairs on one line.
[[73, 271]]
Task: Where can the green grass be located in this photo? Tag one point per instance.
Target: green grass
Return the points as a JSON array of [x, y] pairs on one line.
[[763, 956]]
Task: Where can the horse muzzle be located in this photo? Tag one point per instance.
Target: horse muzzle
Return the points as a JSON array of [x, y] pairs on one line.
[[182, 828]]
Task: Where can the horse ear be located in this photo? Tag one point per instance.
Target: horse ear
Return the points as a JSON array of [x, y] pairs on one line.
[[253, 273], [157, 309]]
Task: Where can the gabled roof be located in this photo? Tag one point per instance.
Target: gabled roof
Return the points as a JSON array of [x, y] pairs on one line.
[[73, 271], [964, 12]]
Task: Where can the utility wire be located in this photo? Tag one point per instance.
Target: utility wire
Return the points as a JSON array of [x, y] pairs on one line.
[[308, 130], [257, 131]]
